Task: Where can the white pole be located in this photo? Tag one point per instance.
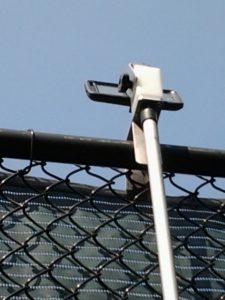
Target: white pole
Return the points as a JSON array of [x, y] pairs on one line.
[[165, 253]]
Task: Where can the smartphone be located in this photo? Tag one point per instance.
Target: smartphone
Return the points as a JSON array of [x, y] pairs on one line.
[[109, 93]]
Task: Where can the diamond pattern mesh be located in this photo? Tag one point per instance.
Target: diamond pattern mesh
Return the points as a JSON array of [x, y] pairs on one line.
[[62, 239]]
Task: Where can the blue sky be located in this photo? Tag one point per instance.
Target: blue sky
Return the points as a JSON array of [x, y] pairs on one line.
[[48, 48]]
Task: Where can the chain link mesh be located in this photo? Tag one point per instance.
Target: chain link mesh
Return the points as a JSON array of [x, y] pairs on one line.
[[63, 239]]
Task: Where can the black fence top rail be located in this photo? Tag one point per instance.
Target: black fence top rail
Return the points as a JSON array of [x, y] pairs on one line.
[[106, 152]]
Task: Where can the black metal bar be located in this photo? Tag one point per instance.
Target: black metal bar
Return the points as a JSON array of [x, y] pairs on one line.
[[106, 152]]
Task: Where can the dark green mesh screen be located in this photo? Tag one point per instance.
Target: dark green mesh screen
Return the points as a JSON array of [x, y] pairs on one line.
[[62, 240]]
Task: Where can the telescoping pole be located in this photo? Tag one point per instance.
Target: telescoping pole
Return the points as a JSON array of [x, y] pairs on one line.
[[147, 100], [141, 87], [165, 253]]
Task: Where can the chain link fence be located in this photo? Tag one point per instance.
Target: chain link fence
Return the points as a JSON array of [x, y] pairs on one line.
[[73, 232]]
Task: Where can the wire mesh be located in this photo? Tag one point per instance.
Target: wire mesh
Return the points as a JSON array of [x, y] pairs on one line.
[[63, 239]]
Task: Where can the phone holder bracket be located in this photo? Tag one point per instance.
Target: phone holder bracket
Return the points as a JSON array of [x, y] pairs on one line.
[[139, 87], [143, 85]]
